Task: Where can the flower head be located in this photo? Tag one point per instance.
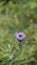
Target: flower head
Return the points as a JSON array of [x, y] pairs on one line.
[[19, 36]]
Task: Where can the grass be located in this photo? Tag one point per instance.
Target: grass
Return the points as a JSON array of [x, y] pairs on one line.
[[13, 18]]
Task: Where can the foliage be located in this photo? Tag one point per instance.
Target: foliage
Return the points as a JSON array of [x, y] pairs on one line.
[[18, 17]]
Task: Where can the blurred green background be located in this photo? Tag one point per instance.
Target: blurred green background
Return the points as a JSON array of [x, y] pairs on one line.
[[18, 16]]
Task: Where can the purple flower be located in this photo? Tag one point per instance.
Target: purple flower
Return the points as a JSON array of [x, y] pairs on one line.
[[20, 36]]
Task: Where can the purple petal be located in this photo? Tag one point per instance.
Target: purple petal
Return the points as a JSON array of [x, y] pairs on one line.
[[20, 35]]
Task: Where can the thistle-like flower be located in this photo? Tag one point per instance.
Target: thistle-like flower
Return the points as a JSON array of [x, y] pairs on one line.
[[20, 36]]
